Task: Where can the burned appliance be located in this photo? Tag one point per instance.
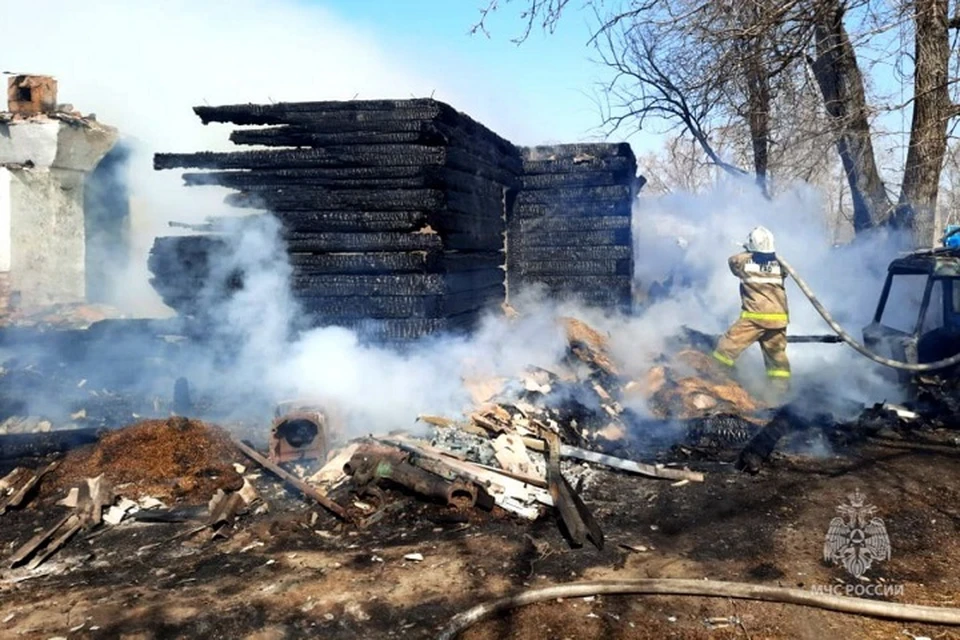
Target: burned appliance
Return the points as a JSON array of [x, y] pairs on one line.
[[298, 433]]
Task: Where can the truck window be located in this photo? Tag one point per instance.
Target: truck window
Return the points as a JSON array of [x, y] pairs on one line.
[[903, 303], [934, 318]]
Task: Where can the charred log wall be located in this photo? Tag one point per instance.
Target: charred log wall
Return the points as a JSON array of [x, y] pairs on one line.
[[569, 228], [392, 212]]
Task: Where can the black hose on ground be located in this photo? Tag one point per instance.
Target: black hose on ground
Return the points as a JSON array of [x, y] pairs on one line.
[[850, 340]]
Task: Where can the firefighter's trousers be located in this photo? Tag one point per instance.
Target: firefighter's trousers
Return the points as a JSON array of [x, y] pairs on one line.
[[773, 343]]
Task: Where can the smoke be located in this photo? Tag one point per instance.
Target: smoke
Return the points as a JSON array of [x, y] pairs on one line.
[[142, 66], [690, 237]]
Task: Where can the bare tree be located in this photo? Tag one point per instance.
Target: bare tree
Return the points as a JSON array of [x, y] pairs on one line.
[[700, 64]]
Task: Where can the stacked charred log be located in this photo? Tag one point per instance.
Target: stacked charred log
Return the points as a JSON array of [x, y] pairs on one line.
[[393, 216], [569, 229], [393, 212]]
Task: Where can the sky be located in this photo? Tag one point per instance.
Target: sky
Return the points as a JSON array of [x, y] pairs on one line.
[[542, 90]]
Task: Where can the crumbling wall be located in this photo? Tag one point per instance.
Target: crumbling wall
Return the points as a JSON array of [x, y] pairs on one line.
[[47, 161]]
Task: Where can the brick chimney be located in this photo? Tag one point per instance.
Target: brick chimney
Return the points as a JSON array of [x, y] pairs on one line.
[[31, 95]]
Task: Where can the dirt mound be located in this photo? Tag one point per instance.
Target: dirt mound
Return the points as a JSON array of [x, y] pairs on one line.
[[177, 458]]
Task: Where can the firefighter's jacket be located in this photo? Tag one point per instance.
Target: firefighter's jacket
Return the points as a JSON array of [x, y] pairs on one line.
[[762, 294]]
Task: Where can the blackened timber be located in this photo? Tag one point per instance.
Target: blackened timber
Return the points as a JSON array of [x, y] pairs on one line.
[[582, 283], [298, 198], [567, 166], [338, 158], [571, 224], [610, 252], [568, 196], [333, 175], [301, 136], [288, 112], [393, 262], [338, 242], [411, 284], [443, 221], [351, 178], [357, 156], [294, 198], [549, 181], [623, 267], [359, 111], [572, 238], [384, 307], [619, 207], [22, 445], [358, 221], [430, 134], [578, 150]]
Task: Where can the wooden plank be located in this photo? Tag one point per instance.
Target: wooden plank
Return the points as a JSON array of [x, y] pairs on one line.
[[17, 498], [73, 524], [291, 479], [36, 542]]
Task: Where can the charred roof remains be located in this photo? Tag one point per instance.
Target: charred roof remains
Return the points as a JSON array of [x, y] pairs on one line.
[[394, 213]]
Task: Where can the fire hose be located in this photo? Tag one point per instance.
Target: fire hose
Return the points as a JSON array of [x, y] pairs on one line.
[[709, 588], [850, 340]]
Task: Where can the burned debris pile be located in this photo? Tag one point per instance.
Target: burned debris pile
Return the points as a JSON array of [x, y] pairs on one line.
[[392, 211], [569, 229]]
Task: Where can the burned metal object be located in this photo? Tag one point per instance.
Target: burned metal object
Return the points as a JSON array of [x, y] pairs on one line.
[[370, 467], [300, 434], [932, 330]]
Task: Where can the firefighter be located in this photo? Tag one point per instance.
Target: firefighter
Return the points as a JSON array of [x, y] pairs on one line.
[[764, 315]]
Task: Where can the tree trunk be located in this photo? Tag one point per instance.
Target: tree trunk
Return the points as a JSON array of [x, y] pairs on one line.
[[932, 108], [841, 84], [758, 90]]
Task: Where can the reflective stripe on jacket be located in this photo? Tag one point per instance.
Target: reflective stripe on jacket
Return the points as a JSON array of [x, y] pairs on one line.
[[762, 294]]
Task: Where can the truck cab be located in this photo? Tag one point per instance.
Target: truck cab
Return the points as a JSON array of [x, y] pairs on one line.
[[918, 316]]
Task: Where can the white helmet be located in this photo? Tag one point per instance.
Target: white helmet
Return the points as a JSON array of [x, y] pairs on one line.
[[760, 240]]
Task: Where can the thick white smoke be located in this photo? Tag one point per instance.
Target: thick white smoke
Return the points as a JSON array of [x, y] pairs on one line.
[[142, 66], [691, 237]]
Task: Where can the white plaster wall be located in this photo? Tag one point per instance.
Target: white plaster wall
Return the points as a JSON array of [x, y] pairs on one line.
[[30, 141], [47, 231], [4, 219]]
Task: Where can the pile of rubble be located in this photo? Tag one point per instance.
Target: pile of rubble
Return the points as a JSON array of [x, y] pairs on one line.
[[519, 452]]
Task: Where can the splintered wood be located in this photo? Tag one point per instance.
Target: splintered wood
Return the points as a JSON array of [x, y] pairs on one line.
[[92, 497], [17, 485], [589, 345], [692, 385]]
